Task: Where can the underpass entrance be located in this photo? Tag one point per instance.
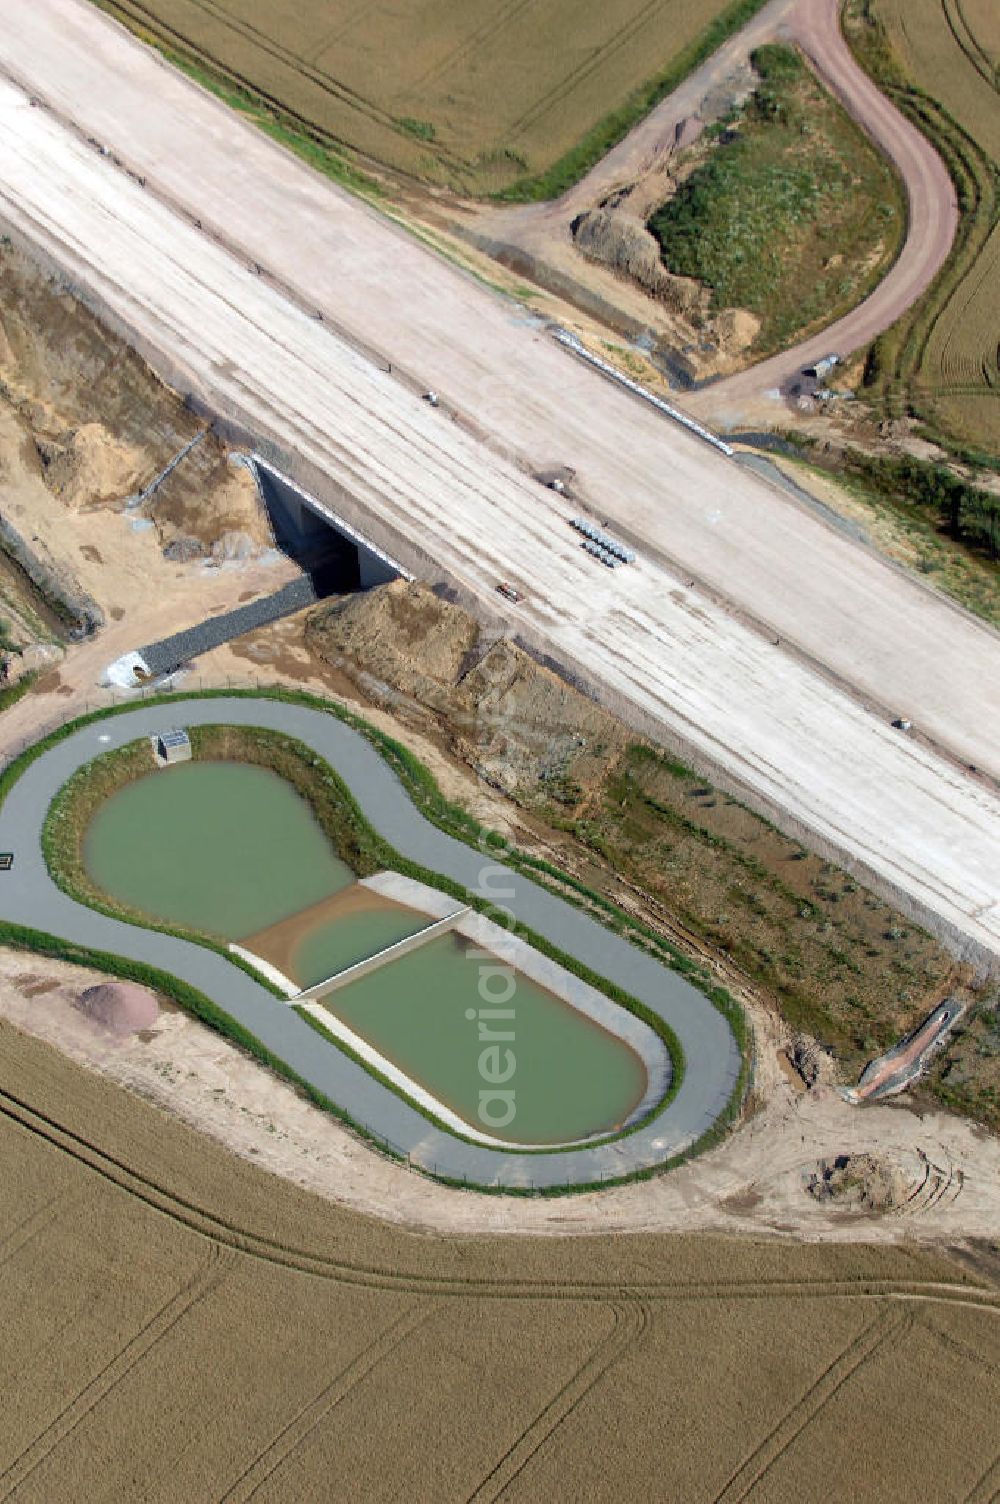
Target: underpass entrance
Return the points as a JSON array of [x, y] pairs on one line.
[[337, 559]]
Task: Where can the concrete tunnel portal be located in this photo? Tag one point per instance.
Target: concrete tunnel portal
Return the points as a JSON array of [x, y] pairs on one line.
[[335, 559], [335, 556]]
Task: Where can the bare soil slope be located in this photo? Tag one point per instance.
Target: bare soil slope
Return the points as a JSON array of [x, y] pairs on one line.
[[97, 426]]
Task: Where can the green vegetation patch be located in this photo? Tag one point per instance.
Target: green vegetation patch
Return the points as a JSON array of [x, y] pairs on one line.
[[842, 965], [968, 514], [11, 693], [793, 215], [913, 522]]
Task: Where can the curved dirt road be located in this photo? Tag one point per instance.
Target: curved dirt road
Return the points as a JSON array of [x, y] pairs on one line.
[[542, 231], [933, 216]]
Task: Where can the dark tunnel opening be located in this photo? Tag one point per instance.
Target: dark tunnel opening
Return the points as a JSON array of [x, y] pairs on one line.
[[335, 561]]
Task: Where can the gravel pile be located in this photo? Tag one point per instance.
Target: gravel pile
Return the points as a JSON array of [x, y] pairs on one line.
[[170, 652]]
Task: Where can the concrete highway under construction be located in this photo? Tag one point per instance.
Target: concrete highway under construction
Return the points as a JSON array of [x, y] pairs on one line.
[[769, 647]]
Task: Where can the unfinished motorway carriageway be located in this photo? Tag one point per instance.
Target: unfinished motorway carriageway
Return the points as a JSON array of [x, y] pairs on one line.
[[800, 727]]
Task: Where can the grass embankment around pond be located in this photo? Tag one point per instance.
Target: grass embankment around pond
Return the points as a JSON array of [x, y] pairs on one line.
[[358, 844]]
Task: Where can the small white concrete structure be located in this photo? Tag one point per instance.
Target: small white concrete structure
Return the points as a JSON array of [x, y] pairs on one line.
[[171, 746], [131, 671]]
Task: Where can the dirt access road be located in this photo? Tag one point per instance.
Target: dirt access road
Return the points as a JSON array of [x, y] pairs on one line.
[[945, 1172], [932, 218], [453, 491], [542, 231]]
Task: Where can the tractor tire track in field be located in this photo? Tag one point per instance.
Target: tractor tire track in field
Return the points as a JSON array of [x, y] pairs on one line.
[[963, 1350], [987, 1489], [241, 1240], [630, 1325], [213, 1271], [28, 1229], [303, 1424], [966, 39], [272, 48], [498, 20], [583, 70], [886, 1328]]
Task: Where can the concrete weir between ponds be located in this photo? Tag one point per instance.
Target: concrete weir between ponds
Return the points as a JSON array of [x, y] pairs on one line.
[[28, 896]]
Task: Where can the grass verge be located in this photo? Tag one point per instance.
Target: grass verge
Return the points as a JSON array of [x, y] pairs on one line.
[[615, 126], [11, 693], [269, 115]]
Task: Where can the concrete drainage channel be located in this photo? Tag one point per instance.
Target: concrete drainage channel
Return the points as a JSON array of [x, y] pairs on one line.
[[712, 1058]]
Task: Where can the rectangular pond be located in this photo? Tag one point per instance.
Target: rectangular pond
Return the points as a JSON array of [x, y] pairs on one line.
[[505, 1055]]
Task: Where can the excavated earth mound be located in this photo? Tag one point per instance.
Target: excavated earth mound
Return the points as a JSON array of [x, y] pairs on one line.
[[860, 1182], [93, 468], [519, 724], [122, 1007]]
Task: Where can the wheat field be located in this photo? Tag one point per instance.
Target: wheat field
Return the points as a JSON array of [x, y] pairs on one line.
[[949, 51], [177, 1325], [471, 95]]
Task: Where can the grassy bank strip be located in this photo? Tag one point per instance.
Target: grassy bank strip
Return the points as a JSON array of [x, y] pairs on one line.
[[615, 126], [326, 154], [344, 825], [11, 693]]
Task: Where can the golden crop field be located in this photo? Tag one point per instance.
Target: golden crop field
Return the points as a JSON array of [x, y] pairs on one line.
[[177, 1325], [472, 95], [951, 48], [944, 67]]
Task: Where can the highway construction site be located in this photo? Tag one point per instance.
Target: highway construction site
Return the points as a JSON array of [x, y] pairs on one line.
[[255, 437], [780, 669]]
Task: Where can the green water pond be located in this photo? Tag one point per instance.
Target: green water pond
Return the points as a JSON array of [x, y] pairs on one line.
[[570, 1078], [221, 846], [338, 943], [231, 849]]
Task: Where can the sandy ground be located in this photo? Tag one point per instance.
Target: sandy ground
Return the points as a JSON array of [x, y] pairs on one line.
[[662, 649], [755, 1183]]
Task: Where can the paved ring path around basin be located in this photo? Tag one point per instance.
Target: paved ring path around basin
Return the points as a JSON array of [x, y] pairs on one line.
[[28, 896]]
